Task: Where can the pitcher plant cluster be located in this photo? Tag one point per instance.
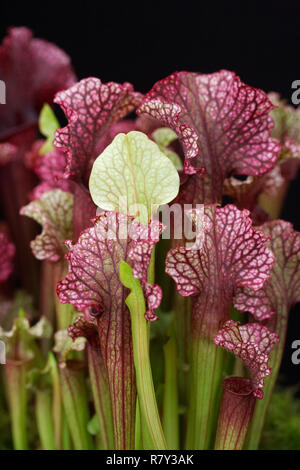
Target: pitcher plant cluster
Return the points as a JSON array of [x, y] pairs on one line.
[[146, 277]]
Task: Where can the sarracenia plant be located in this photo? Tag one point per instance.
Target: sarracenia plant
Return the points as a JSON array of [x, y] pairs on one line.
[[158, 317]]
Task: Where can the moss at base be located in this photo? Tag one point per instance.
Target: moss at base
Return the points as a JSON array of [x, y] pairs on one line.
[[282, 428]]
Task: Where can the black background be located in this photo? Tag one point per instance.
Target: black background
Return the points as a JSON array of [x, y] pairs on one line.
[[144, 42]]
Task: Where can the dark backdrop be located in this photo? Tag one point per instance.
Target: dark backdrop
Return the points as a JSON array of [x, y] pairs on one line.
[[142, 43]]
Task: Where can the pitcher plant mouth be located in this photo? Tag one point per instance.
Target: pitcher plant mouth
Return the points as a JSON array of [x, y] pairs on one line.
[[160, 315]]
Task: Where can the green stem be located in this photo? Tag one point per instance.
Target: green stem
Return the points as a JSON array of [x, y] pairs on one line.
[[170, 400], [238, 368], [57, 401], [138, 445], [272, 204], [66, 436], [278, 324], [209, 310], [143, 439], [146, 394], [75, 403], [15, 373], [47, 305], [61, 431], [182, 325], [44, 418], [47, 298], [64, 312], [205, 392]]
